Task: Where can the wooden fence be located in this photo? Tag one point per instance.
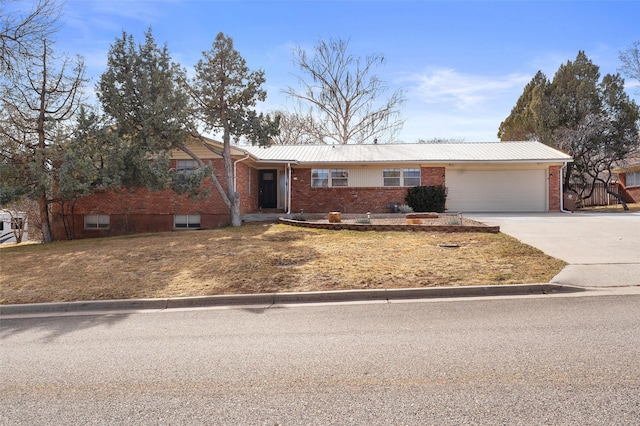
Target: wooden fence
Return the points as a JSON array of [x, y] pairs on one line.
[[600, 196]]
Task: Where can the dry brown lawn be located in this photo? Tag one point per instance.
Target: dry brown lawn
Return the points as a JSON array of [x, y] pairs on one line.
[[616, 208], [259, 258]]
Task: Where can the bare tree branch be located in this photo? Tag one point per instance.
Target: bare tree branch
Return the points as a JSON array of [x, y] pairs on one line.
[[631, 61], [342, 95], [21, 34]]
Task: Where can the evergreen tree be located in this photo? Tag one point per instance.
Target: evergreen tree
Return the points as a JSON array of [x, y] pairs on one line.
[[154, 110], [592, 120], [520, 125], [143, 99]]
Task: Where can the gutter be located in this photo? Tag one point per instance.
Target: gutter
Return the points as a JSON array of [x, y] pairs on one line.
[[288, 188]]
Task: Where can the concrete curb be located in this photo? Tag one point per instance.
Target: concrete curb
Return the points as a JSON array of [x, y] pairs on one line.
[[268, 299]]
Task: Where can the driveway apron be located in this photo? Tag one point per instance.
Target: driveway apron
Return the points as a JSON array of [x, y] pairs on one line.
[[602, 249]]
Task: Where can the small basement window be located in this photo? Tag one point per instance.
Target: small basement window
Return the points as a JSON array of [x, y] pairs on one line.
[[96, 221], [186, 166], [186, 221]]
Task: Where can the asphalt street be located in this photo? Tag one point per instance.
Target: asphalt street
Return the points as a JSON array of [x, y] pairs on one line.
[[560, 359]]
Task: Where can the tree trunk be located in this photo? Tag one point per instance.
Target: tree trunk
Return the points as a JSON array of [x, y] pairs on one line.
[[234, 197], [236, 220], [567, 177], [47, 235], [41, 158], [617, 197]]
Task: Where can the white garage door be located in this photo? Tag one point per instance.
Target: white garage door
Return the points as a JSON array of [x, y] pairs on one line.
[[496, 191]]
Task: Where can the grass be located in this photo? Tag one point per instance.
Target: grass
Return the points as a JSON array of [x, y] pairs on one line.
[[259, 258]]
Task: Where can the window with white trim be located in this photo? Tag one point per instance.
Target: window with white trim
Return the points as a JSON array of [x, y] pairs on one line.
[[401, 177], [323, 178], [186, 166], [96, 221], [186, 221], [391, 177], [411, 177], [319, 178], [632, 179], [339, 177]]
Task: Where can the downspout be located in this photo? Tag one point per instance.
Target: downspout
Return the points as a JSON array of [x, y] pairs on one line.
[[288, 188], [235, 172]]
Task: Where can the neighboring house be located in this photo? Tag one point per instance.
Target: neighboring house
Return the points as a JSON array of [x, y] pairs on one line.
[[480, 177], [10, 222], [629, 178]]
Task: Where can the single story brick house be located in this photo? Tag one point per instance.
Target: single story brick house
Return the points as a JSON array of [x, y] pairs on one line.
[[480, 177]]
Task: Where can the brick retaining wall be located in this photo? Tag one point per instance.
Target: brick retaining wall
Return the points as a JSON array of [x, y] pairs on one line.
[[398, 227]]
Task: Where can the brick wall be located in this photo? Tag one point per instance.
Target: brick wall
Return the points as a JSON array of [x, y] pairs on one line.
[[629, 195], [432, 176], [141, 210], [247, 186], [554, 188], [126, 224], [350, 199]]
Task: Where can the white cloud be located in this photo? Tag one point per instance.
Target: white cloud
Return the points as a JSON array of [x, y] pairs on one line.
[[462, 91]]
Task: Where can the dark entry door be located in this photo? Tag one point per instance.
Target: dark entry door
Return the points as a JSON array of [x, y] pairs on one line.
[[268, 197]]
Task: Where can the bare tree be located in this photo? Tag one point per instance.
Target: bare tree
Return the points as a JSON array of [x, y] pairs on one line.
[[297, 129], [21, 34], [343, 95], [35, 108], [631, 61]]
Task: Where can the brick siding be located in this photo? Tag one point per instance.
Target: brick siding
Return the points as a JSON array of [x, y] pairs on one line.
[[554, 188], [352, 199], [141, 210], [629, 195], [432, 176]]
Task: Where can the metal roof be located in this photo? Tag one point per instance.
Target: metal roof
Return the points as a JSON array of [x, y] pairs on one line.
[[409, 153]]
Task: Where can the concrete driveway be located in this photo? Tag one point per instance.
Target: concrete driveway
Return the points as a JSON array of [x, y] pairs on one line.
[[602, 249]]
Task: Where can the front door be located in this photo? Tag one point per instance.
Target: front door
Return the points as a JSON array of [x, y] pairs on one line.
[[268, 188]]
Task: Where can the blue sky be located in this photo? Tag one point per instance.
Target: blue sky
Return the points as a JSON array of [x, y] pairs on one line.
[[462, 64]]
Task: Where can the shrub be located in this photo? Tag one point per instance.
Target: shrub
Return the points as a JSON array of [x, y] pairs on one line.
[[427, 198], [405, 209]]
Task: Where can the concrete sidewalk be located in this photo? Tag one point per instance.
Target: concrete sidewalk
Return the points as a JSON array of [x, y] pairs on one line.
[[602, 249]]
